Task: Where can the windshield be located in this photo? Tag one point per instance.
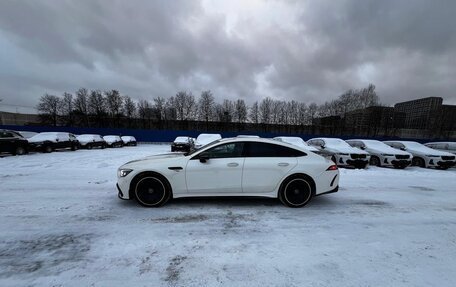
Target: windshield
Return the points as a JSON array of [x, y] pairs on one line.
[[413, 145], [295, 141], [181, 140]]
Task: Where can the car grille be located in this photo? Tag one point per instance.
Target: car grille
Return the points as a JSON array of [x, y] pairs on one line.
[[446, 157], [357, 156], [402, 156]]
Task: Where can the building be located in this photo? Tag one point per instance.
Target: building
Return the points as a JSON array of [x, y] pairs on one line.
[[421, 113], [373, 120], [17, 119]]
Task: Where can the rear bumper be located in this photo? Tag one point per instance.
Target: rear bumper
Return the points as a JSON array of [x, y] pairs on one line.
[[331, 191]]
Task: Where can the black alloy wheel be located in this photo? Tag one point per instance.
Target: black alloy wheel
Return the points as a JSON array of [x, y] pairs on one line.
[[295, 192]]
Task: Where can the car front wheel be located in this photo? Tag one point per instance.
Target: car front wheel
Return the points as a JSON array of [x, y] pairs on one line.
[[417, 161], [296, 192], [374, 161], [152, 191]]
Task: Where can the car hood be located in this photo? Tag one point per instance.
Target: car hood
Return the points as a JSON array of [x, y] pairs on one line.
[[155, 159], [342, 149], [428, 151], [386, 150]]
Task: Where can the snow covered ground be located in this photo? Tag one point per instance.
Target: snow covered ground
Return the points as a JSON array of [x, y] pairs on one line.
[[61, 224]]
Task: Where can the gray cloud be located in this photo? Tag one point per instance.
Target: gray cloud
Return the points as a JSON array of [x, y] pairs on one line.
[[303, 50]]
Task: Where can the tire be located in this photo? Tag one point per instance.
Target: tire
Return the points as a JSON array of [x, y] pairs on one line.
[[417, 161], [296, 191], [375, 161], [103, 146], [48, 149], [151, 190], [89, 146], [20, 150], [74, 147]]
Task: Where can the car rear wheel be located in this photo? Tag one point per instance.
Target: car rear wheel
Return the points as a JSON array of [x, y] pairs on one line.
[[375, 161], [152, 191], [417, 161], [48, 149], [296, 192], [89, 146]]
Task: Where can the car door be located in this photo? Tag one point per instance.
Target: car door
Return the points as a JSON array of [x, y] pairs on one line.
[[265, 165], [216, 170]]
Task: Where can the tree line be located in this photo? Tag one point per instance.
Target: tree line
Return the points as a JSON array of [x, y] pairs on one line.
[[86, 107]]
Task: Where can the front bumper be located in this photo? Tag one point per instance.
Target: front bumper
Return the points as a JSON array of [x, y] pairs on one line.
[[446, 164], [120, 194], [402, 162]]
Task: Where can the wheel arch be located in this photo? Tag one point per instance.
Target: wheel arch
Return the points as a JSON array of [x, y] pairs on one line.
[[298, 175], [137, 177]]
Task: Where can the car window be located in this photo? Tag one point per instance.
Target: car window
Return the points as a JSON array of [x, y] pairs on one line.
[[228, 150], [256, 149], [6, 135]]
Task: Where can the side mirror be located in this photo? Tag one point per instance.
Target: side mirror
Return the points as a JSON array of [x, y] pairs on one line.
[[203, 157], [363, 147], [403, 148], [322, 146]]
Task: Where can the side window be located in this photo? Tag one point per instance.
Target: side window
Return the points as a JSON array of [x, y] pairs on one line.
[[7, 135], [271, 150], [225, 151]]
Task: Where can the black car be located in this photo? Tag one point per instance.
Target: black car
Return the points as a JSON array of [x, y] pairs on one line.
[[50, 141], [184, 144], [13, 143]]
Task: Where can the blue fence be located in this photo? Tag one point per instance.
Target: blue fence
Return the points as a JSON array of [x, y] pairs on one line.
[[162, 135]]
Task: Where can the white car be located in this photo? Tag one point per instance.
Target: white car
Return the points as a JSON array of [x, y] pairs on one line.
[[424, 156], [443, 146], [204, 139], [297, 141], [90, 141], [382, 154], [113, 141], [230, 167], [341, 152], [129, 140]]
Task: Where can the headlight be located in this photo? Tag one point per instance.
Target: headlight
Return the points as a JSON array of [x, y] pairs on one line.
[[123, 172], [386, 154]]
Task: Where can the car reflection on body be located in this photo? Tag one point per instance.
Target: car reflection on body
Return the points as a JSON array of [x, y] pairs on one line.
[[230, 167]]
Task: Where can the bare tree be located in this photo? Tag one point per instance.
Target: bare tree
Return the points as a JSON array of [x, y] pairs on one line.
[[97, 106], [49, 107], [240, 111], [313, 108], [159, 106], [114, 103], [81, 104], [265, 110], [129, 108], [254, 114], [184, 104], [67, 107], [206, 106]]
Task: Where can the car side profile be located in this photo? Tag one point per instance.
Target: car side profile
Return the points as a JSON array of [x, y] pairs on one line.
[[90, 141], [424, 156], [113, 141], [230, 167], [382, 154], [182, 143], [50, 141], [341, 152], [13, 143], [129, 140], [443, 146]]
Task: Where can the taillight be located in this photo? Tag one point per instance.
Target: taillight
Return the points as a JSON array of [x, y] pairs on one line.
[[332, 167]]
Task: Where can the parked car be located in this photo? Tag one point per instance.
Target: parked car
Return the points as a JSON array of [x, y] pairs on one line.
[[113, 141], [26, 134], [13, 143], [297, 141], [341, 152], [424, 156], [382, 154], [182, 143], [230, 167], [50, 141], [443, 146], [129, 140], [204, 139], [90, 141]]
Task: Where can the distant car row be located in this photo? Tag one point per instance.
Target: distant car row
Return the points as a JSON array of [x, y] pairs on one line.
[[358, 153], [19, 143]]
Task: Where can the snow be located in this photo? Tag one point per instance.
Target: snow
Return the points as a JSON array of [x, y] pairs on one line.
[[63, 225]]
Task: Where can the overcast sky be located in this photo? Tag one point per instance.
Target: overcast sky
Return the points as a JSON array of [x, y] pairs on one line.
[[310, 51]]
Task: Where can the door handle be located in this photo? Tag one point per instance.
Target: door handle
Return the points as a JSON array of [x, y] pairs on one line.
[[232, 164], [283, 164]]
